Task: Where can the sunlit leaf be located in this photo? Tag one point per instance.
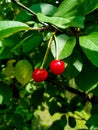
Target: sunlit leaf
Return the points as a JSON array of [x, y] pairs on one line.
[[7, 28], [69, 8], [62, 22], [65, 46], [89, 45], [23, 71], [9, 70]]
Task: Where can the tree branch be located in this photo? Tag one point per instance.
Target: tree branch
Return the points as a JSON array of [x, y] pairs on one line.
[[35, 15], [75, 91], [93, 99], [24, 7]]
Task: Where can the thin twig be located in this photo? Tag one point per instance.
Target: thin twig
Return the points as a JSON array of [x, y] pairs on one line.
[[43, 28], [24, 7], [35, 15]]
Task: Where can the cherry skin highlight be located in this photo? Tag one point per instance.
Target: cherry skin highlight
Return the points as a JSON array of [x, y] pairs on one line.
[[39, 75], [57, 67]]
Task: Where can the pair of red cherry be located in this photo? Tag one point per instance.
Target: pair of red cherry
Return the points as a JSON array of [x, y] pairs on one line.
[[56, 66]]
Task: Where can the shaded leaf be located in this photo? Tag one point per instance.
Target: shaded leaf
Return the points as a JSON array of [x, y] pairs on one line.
[[63, 120], [5, 93], [88, 77], [54, 107], [89, 6], [31, 43], [92, 121], [71, 121], [74, 64], [37, 97], [76, 104], [94, 109], [6, 53], [95, 91], [5, 49], [56, 125]]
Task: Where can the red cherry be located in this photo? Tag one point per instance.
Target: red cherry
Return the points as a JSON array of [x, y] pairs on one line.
[[57, 67], [39, 75]]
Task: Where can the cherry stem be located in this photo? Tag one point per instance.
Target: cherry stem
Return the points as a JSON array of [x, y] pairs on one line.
[[56, 48], [47, 51]]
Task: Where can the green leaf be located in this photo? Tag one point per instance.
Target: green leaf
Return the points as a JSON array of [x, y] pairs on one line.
[[89, 6], [74, 64], [23, 71], [63, 120], [76, 7], [89, 45], [9, 70], [87, 79], [71, 121], [93, 128], [5, 49], [5, 53], [54, 107], [94, 109], [77, 103], [46, 9], [70, 13], [95, 91], [69, 8], [92, 121], [5, 93], [56, 125], [37, 97], [7, 28], [17, 119], [65, 46], [62, 22], [31, 43], [93, 27]]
